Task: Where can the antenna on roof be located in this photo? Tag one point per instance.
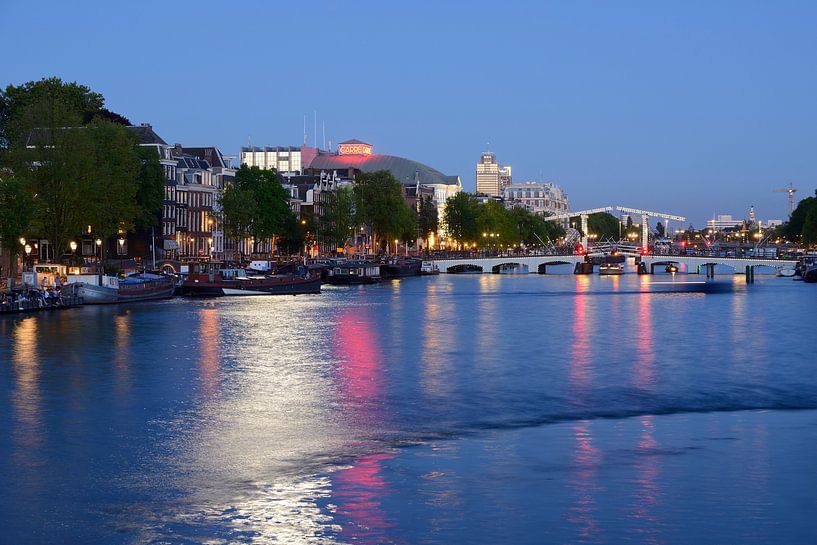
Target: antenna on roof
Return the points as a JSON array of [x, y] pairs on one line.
[[324, 134], [305, 140], [315, 126], [249, 141]]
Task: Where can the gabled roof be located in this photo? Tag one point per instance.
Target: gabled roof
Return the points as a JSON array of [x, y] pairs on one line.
[[210, 154]]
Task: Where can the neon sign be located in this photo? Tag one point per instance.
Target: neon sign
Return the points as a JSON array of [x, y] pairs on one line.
[[354, 149]]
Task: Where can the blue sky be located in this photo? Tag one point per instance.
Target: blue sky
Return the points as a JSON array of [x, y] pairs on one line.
[[691, 108]]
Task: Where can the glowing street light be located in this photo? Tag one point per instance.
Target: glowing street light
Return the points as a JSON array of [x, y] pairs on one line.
[[73, 246]]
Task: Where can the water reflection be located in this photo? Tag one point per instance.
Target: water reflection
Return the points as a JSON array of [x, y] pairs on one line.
[[584, 485], [358, 356], [209, 341], [123, 381], [358, 493], [580, 371], [646, 498], [26, 398], [434, 364], [645, 352]]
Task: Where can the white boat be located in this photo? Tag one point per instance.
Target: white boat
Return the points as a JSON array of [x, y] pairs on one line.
[[611, 269], [786, 272]]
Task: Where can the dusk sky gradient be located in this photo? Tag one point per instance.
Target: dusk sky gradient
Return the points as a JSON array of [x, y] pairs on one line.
[[692, 108]]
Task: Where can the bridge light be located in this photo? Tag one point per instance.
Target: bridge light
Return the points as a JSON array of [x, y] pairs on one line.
[[580, 249], [644, 250]]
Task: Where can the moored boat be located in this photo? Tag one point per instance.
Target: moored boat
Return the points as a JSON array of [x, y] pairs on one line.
[[215, 279], [810, 273], [352, 272], [608, 269], [428, 268], [132, 288], [400, 267]]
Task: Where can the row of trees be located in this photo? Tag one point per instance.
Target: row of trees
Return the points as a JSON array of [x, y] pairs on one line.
[[492, 224], [67, 163]]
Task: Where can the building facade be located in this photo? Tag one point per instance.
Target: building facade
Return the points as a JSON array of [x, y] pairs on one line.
[[538, 197], [492, 178], [283, 159]]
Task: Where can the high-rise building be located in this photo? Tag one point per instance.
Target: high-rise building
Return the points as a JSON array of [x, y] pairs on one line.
[[488, 174], [492, 178]]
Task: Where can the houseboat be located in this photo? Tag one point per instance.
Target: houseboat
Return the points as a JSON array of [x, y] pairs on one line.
[[400, 267], [215, 279], [351, 272]]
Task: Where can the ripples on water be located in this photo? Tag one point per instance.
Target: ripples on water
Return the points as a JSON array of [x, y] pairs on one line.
[[470, 409]]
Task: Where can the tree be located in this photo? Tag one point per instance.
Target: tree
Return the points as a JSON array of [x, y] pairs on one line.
[[150, 192], [238, 207], [659, 229], [49, 102], [794, 228], [495, 224], [460, 217], [271, 210], [292, 236], [428, 221], [16, 211], [337, 217], [603, 224], [379, 204], [810, 226], [533, 229]]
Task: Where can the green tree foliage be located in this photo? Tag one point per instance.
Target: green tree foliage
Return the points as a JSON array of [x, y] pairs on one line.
[[460, 217], [379, 204], [151, 188], [533, 229], [494, 219], [337, 217], [796, 223], [604, 225], [810, 226], [271, 211], [428, 221], [82, 165], [49, 102], [16, 211], [238, 208], [292, 236], [659, 229]]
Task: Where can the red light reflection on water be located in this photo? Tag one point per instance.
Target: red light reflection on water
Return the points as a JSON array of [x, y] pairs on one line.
[[358, 490], [580, 372], [358, 493], [358, 356], [645, 356]]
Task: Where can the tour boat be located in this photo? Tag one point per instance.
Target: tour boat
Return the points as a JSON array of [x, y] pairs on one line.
[[214, 279], [428, 268], [135, 287], [611, 269]]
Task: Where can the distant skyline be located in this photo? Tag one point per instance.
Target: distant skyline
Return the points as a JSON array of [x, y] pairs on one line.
[[693, 108]]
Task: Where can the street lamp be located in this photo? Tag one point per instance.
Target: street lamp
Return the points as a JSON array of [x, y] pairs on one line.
[[73, 246], [28, 254], [22, 241]]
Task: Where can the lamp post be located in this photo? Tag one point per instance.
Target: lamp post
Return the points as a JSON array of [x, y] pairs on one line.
[[28, 255]]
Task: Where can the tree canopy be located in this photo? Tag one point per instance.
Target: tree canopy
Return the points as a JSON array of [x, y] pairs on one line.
[[379, 204], [92, 174], [797, 225], [460, 217], [337, 217]]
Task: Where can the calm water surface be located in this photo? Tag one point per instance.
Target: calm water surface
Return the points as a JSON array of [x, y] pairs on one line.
[[456, 409]]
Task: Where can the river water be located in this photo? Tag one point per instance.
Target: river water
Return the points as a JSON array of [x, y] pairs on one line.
[[444, 410]]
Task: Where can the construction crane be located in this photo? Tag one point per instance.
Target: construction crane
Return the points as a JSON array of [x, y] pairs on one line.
[[583, 215], [791, 191], [645, 216]]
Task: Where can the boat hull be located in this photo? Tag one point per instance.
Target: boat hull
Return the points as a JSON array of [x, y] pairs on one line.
[[251, 286], [810, 275], [101, 295]]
